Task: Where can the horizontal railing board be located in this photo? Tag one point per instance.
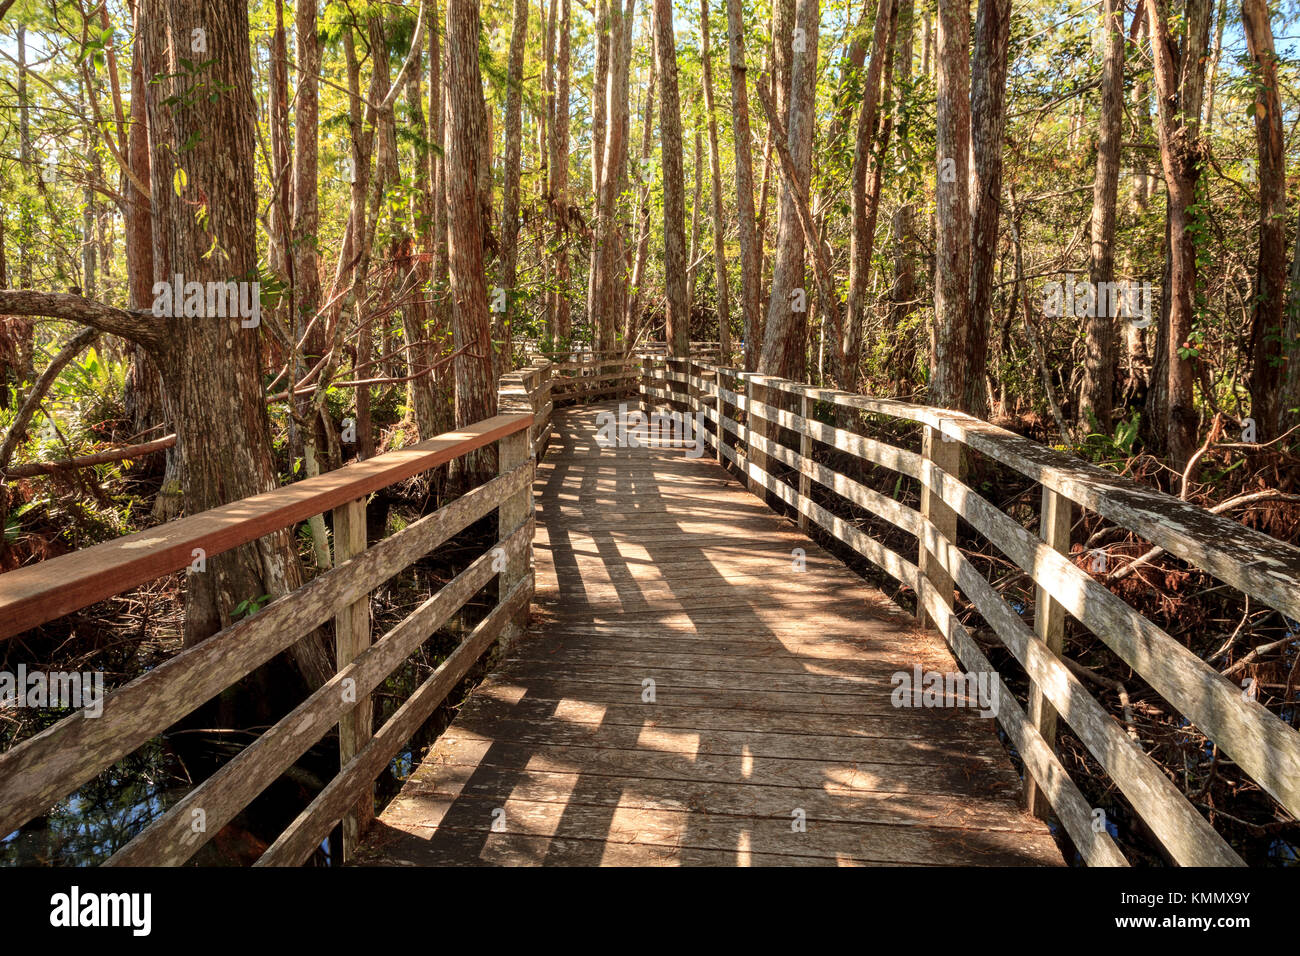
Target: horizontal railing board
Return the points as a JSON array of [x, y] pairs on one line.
[[1262, 744], [1267, 748], [38, 772], [313, 824], [1072, 808], [1176, 823], [32, 595], [168, 840], [1249, 560]]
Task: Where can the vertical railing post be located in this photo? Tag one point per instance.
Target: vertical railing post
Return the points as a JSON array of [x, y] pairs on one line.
[[1055, 518], [513, 451], [645, 384], [351, 638], [805, 459], [945, 455]]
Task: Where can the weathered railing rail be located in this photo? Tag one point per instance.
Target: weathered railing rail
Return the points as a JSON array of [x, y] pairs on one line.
[[583, 375], [748, 411], [38, 772]]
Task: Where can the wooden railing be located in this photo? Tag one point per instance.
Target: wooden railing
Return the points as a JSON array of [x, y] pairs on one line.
[[748, 412], [583, 375], [39, 772]]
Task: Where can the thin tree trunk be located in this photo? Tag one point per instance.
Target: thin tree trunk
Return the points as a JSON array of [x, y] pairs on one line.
[[632, 320], [513, 148], [751, 263], [949, 366], [848, 341], [677, 324], [1270, 351], [560, 175], [1097, 400], [715, 170], [988, 122], [903, 228], [693, 257], [1179, 74], [784, 352]]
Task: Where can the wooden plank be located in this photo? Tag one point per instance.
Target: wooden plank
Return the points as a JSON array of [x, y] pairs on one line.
[[301, 838], [1262, 745], [42, 592], [167, 841], [1249, 560], [771, 685], [1055, 520], [834, 803], [43, 769], [351, 639], [1184, 832]]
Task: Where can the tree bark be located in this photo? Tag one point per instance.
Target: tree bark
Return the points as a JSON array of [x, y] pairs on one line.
[[678, 322], [715, 170], [750, 259], [1097, 399], [205, 224], [848, 341], [475, 388], [560, 175], [988, 123], [1179, 75], [513, 148], [1270, 350], [952, 339], [784, 352], [903, 227]]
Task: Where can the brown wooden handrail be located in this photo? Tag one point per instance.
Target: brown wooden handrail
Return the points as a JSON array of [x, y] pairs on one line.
[[32, 595]]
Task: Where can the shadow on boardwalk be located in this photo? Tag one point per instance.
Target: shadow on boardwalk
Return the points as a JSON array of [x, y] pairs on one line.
[[770, 737]]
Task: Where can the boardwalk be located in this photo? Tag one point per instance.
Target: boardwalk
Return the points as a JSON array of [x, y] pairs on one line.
[[770, 739]]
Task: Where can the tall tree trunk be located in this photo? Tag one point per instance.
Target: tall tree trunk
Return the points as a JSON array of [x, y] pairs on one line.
[[1270, 350], [751, 263], [560, 175], [421, 396], [903, 227], [208, 233], [678, 323], [988, 123], [1179, 73], [508, 271], [475, 388], [715, 170], [145, 401], [952, 326], [632, 321], [1097, 400], [599, 105], [863, 220], [609, 275], [693, 256], [784, 352]]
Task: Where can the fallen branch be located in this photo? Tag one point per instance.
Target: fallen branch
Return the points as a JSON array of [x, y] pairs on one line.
[[85, 461]]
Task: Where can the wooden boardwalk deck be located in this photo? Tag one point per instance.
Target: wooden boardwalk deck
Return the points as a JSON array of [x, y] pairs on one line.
[[771, 700]]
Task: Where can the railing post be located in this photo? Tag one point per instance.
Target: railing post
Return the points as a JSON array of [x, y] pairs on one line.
[[720, 406], [645, 385], [513, 451], [805, 460], [945, 455], [1056, 516], [351, 638]]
